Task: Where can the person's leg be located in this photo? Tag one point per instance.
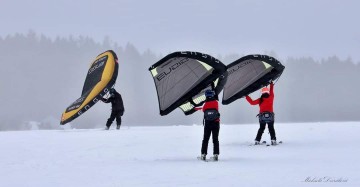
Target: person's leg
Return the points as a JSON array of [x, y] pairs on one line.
[[215, 137], [205, 142], [260, 131], [272, 130], [118, 120], [111, 119]]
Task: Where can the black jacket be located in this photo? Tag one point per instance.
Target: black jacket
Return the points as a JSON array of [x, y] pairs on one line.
[[116, 102]]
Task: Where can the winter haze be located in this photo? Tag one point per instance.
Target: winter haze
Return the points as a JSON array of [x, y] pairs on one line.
[[46, 48]]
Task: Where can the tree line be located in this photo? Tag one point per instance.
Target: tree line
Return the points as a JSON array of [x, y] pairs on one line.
[[40, 77]]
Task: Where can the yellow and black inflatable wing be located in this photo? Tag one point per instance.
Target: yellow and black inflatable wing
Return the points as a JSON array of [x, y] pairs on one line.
[[100, 78]]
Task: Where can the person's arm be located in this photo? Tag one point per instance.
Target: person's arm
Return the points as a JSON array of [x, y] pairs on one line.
[[108, 100], [252, 102], [198, 108], [103, 100], [121, 103], [203, 108], [271, 88]]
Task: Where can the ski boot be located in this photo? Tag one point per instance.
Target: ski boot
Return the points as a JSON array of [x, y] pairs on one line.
[[257, 142], [118, 127], [107, 128], [215, 157], [203, 157], [273, 142]]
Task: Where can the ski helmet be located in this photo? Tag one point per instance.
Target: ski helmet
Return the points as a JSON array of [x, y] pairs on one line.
[[209, 93], [265, 90]]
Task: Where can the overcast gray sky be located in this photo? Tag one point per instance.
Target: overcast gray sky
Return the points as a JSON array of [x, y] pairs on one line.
[[317, 28]]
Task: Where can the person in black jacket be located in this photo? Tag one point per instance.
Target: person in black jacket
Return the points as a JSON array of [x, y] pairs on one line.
[[117, 108]]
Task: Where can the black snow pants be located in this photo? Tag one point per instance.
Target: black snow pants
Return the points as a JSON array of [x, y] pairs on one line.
[[114, 114], [262, 128], [211, 127]]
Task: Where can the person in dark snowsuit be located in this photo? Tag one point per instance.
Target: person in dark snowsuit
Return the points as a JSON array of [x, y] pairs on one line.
[[266, 114], [211, 124], [117, 108]]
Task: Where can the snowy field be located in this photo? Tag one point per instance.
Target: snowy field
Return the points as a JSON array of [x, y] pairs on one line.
[[166, 156]]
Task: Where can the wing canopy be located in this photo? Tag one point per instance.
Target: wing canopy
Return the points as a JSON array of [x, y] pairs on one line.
[[100, 78], [180, 76], [249, 74]]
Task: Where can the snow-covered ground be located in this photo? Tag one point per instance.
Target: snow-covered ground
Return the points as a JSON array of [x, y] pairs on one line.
[[166, 156]]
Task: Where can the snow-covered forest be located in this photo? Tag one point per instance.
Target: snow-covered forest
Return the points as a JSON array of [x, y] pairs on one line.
[[41, 76]]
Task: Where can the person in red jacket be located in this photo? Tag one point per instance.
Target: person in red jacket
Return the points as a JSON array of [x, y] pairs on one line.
[[211, 124], [266, 114]]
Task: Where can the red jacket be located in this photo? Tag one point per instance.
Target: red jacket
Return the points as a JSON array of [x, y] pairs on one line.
[[213, 104], [267, 104]]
